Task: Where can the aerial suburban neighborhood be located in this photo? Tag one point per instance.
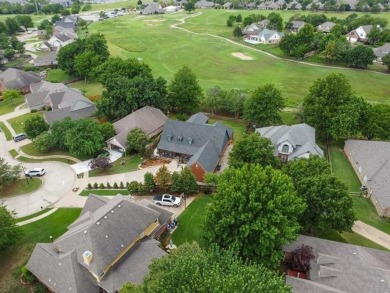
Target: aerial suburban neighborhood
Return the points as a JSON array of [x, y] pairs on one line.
[[194, 146]]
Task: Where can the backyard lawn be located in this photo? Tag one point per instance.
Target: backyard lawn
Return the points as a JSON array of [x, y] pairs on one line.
[[122, 165], [40, 231], [8, 106], [239, 127], [17, 123], [363, 207], [190, 222], [31, 150], [57, 75], [21, 186], [89, 89]]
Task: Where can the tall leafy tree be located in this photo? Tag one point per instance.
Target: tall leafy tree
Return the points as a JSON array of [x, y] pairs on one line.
[[84, 62], [213, 98], [329, 206], [163, 178], [359, 56], [184, 182], [136, 141], [263, 106], [25, 21], [34, 126], [275, 21], [107, 130], [386, 61], [58, 130], [253, 149], [263, 211], [234, 102], [12, 25], [8, 173], [189, 6], [84, 138], [191, 269], [184, 92], [11, 94], [9, 232]]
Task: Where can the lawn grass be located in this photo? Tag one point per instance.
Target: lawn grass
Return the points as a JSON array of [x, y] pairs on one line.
[[104, 192], [130, 164], [289, 117], [133, 36], [239, 127], [57, 75], [88, 89], [12, 260], [13, 153], [190, 222], [364, 209], [31, 150], [17, 123], [8, 106], [22, 219], [21, 186], [5, 130], [113, 5], [29, 160]]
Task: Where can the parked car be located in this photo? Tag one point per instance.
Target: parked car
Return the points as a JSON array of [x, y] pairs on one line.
[[167, 200], [19, 137], [35, 172]]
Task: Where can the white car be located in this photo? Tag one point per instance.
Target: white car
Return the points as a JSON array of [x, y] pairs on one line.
[[35, 172]]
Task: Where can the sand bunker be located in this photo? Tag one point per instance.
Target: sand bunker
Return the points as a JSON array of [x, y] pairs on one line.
[[242, 56]]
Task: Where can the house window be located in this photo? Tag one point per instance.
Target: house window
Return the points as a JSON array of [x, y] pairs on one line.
[[179, 138], [285, 148]]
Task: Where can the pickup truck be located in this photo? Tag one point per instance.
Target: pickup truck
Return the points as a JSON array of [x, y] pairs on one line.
[[167, 200]]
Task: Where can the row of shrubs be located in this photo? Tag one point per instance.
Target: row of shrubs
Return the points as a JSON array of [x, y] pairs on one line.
[[121, 185]]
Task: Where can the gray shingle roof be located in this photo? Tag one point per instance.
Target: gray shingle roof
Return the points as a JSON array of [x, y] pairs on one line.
[[65, 24], [107, 229], [152, 8], [374, 159], [148, 119], [326, 26], [13, 78], [199, 118], [382, 51], [207, 141], [297, 24], [267, 34], [341, 267], [46, 59], [301, 136]]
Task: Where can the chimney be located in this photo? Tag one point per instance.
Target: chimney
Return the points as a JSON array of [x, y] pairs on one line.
[[87, 257]]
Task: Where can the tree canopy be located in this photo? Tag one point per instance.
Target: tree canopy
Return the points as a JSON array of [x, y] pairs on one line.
[[184, 92], [34, 126], [184, 181], [263, 211], [136, 141], [191, 269], [8, 173], [253, 149], [262, 107], [9, 232]]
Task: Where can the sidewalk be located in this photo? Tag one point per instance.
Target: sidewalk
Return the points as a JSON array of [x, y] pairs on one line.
[[372, 234]]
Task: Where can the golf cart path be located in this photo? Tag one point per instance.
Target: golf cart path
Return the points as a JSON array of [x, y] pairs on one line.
[[183, 19]]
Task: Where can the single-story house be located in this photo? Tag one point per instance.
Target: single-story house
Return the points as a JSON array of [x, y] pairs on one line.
[[46, 60], [204, 4], [110, 244], [292, 142], [200, 145], [382, 51], [266, 36], [296, 25], [63, 101], [294, 5], [150, 120], [337, 267], [17, 79], [325, 27], [360, 34], [62, 39], [152, 8], [370, 160]]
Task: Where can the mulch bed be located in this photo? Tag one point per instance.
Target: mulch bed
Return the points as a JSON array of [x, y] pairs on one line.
[[154, 162]]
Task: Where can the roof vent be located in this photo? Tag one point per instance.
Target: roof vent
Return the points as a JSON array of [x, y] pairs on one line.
[[382, 281], [105, 217], [98, 223], [112, 211], [122, 245], [106, 236], [87, 257], [85, 231], [59, 264], [119, 205]]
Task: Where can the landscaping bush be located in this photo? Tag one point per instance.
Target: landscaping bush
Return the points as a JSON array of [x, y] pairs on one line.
[[39, 288], [136, 188], [149, 182], [121, 185], [95, 185], [115, 185], [89, 186], [101, 186], [182, 117], [27, 276], [108, 185]]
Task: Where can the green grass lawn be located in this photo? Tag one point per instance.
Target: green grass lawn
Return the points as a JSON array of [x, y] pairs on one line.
[[122, 165], [8, 106], [29, 160], [21, 186], [364, 210], [104, 192], [89, 89], [5, 130], [134, 36], [13, 153], [31, 150], [17, 123], [290, 118], [239, 127], [12, 260], [190, 222], [57, 75], [22, 219]]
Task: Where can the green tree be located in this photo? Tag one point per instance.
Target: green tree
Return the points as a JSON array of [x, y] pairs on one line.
[[359, 56], [213, 98], [136, 141], [184, 182], [234, 102], [253, 149], [325, 98], [191, 269], [329, 206], [9, 232], [34, 126], [163, 178], [237, 32], [374, 36], [84, 138], [75, 8], [25, 21], [149, 181], [184, 92], [8, 173], [43, 142], [107, 130], [239, 18], [54, 18], [287, 44], [67, 55], [386, 61], [44, 24], [65, 12], [263, 213], [85, 62], [263, 106], [12, 25], [11, 94], [58, 130], [275, 21], [189, 6]]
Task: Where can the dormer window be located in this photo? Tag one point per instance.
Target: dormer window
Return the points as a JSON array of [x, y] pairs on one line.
[[170, 136], [285, 148], [179, 138], [190, 140]]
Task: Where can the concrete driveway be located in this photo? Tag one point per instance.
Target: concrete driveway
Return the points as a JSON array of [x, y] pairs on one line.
[[83, 167]]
